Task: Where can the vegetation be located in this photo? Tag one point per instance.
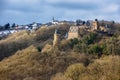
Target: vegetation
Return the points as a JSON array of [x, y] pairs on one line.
[[106, 68], [30, 56]]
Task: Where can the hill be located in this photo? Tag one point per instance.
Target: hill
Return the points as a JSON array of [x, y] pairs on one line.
[[30, 56], [30, 64]]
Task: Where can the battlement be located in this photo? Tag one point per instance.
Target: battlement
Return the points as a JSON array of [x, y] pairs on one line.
[[73, 29]]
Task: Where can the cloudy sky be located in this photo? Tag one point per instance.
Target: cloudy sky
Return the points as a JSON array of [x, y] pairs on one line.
[[28, 11]]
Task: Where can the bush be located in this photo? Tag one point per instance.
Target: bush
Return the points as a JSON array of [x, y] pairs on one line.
[[64, 45], [106, 68], [14, 42], [89, 39], [73, 42], [74, 70], [47, 48], [59, 76], [95, 49]]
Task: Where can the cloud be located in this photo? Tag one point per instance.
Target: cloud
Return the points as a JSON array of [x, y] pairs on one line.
[[23, 5], [111, 8], [27, 11], [84, 6], [30, 2], [1, 5], [19, 17], [73, 1]]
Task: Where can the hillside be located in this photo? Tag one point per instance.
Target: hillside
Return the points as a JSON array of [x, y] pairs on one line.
[[30, 64], [31, 56]]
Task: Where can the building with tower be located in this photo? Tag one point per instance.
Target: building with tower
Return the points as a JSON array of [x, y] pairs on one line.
[[54, 22]]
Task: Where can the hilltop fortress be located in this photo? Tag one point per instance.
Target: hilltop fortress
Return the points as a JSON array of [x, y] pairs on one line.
[[93, 26], [73, 32]]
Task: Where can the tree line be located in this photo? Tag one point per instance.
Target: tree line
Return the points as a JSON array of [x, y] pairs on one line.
[[7, 26]]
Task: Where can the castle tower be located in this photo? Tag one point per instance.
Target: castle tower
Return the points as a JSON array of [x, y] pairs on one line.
[[95, 25], [73, 32], [56, 38]]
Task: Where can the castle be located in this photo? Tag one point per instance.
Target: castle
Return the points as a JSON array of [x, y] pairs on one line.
[[94, 26], [97, 27], [74, 31]]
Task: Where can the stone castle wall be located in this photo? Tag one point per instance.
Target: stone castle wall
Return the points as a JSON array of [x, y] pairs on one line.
[[56, 39], [73, 32], [72, 35]]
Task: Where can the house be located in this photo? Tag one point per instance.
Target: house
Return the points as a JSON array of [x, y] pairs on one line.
[[12, 31], [34, 24], [26, 27]]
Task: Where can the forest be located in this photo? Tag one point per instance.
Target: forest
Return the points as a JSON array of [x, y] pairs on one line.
[[31, 56]]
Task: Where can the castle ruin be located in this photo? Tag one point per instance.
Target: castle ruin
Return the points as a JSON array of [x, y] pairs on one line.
[[56, 38], [94, 25], [73, 32]]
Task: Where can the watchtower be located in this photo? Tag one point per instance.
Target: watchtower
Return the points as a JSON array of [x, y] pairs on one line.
[[95, 25], [56, 38]]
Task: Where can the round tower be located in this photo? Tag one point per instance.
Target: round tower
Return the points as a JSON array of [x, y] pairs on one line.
[[56, 38], [95, 25]]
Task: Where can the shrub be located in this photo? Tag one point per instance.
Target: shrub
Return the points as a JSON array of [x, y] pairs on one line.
[[59, 76], [95, 49], [73, 42], [89, 39], [74, 71], [105, 68], [64, 45], [47, 48]]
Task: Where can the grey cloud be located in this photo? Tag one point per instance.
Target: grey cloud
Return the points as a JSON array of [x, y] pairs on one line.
[[84, 6], [44, 10], [2, 3], [24, 7]]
